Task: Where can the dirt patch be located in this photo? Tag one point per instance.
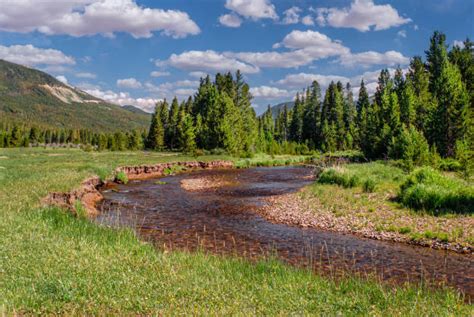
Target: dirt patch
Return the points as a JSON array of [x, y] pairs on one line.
[[308, 212], [204, 183], [87, 195]]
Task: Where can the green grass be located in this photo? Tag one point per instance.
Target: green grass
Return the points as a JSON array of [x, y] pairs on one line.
[[428, 190], [54, 263], [371, 202], [270, 160]]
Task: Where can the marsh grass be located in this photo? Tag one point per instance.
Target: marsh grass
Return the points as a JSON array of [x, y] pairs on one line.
[[54, 263], [429, 190]]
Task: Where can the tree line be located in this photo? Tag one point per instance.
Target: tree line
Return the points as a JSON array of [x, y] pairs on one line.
[[413, 115], [24, 136], [424, 111]]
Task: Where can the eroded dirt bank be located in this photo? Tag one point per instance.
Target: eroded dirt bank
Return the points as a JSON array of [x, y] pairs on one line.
[[88, 194]]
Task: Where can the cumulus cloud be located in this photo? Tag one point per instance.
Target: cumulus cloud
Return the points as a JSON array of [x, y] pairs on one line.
[[209, 61], [86, 75], [460, 44], [62, 79], [198, 74], [266, 92], [366, 59], [362, 15], [131, 83], [159, 74], [307, 20], [304, 79], [303, 47], [230, 20], [253, 9], [89, 17], [123, 98], [292, 15], [30, 55]]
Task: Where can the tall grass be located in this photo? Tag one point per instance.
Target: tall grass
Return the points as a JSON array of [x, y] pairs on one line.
[[427, 189]]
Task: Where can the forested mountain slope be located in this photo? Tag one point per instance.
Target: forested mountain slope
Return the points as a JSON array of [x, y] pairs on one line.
[[32, 97]]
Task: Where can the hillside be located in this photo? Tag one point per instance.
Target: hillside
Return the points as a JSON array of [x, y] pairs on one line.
[[32, 97], [280, 106]]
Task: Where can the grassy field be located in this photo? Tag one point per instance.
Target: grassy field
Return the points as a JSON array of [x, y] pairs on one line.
[[51, 262], [364, 196]]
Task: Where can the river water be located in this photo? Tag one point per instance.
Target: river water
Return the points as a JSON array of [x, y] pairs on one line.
[[224, 220]]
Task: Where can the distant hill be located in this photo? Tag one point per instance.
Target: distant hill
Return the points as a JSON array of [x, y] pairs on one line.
[[134, 109], [29, 96], [280, 106]]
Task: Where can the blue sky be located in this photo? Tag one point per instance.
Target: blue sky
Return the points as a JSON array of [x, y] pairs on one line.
[[140, 51]]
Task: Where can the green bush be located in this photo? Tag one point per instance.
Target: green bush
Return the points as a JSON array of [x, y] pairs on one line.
[[338, 177], [369, 185], [449, 165], [121, 177], [427, 189], [411, 148]]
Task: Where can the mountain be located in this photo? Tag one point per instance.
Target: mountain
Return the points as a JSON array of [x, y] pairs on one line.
[[280, 106], [32, 97], [134, 109]]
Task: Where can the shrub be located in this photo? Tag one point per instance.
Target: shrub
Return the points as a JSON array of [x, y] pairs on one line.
[[121, 177], [369, 185], [426, 189], [198, 152], [449, 165], [338, 177]]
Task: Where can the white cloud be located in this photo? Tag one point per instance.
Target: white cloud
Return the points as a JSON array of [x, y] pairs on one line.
[[292, 15], [402, 33], [86, 75], [253, 9], [460, 44], [304, 79], [123, 98], [131, 83], [304, 47], [209, 61], [184, 92], [30, 55], [366, 59], [159, 74], [187, 83], [230, 20], [362, 15], [198, 74], [62, 79], [266, 92], [307, 20], [89, 17]]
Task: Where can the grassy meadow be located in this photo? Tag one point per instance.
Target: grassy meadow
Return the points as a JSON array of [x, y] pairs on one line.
[[54, 263]]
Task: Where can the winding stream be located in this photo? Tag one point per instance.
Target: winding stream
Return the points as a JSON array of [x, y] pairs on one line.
[[224, 220]]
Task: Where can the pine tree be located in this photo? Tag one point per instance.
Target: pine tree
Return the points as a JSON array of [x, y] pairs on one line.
[[156, 134], [296, 124], [424, 103], [186, 135], [452, 116], [171, 134], [349, 117], [312, 116], [407, 104]]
